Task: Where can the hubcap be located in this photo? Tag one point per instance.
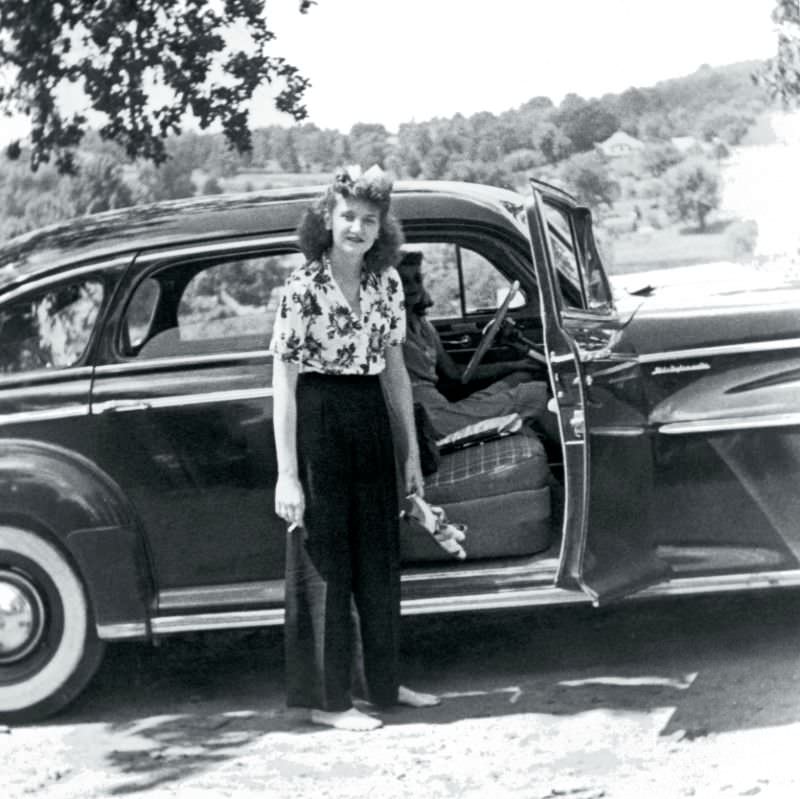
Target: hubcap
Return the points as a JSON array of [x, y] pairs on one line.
[[21, 616]]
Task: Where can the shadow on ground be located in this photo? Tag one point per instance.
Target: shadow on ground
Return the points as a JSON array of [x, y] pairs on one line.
[[715, 664]]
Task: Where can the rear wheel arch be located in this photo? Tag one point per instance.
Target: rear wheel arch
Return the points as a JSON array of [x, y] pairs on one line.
[[88, 517], [49, 647]]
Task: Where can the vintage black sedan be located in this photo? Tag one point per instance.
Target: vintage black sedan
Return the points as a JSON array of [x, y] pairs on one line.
[[136, 450]]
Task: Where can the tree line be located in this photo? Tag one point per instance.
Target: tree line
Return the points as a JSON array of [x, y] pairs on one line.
[[716, 106]]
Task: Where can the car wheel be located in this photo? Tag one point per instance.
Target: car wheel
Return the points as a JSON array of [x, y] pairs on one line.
[[49, 648]]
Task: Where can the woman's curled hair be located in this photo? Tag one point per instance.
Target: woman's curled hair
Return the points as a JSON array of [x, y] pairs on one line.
[[373, 187]]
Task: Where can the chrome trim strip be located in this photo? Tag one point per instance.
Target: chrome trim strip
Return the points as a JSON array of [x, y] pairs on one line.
[[736, 423], [236, 594], [44, 375], [747, 581], [722, 349], [625, 432], [229, 245], [118, 632], [530, 597], [60, 277], [587, 315], [183, 400], [542, 567], [227, 620], [177, 360], [46, 415]]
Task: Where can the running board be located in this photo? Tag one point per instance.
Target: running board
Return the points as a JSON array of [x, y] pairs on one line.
[[165, 625], [507, 599]]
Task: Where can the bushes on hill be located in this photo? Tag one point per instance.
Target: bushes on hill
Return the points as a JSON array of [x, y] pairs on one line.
[[588, 178], [692, 190]]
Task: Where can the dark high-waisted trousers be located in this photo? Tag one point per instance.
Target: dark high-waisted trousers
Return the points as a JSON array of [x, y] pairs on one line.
[[350, 546]]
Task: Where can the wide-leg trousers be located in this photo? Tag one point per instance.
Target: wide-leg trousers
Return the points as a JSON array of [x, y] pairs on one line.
[[348, 551]]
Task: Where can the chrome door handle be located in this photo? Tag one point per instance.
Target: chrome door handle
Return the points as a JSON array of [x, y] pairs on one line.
[[460, 341], [596, 355], [578, 423], [122, 406]]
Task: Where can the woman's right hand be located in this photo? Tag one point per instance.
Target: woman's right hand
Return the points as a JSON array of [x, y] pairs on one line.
[[290, 501]]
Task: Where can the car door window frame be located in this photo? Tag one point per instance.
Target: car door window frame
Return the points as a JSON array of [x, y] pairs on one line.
[[501, 254], [151, 263], [578, 245]]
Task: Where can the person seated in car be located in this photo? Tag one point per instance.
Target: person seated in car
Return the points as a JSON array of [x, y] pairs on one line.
[[427, 362]]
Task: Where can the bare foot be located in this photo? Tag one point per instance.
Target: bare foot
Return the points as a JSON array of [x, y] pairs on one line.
[[405, 696], [352, 720]]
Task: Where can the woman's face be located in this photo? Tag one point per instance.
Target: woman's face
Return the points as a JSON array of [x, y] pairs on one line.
[[354, 225]]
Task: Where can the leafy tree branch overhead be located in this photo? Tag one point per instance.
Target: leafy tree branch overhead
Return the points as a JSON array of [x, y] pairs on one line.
[[143, 65]]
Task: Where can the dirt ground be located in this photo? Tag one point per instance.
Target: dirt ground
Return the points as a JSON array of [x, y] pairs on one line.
[[690, 697]]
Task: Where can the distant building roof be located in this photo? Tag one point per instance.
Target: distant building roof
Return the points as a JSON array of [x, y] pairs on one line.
[[619, 143]]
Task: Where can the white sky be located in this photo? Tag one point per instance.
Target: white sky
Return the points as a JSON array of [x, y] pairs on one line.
[[393, 61], [398, 60]]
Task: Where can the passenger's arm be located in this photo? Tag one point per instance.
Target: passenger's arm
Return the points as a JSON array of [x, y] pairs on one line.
[[289, 497], [447, 367], [397, 390], [501, 369]]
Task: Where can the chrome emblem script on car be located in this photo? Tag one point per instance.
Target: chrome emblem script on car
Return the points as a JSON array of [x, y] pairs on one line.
[[677, 368]]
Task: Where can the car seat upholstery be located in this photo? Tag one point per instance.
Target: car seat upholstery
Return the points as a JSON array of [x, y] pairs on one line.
[[500, 489]]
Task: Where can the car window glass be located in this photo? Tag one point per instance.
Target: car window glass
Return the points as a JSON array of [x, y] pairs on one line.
[[440, 273], [485, 287], [564, 255], [141, 311], [49, 329], [596, 285], [205, 308]]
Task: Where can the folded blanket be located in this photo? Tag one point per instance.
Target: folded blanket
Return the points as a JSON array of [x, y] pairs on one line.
[[485, 430]]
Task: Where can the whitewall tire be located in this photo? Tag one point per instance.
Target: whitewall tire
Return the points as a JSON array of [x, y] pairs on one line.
[[49, 648]]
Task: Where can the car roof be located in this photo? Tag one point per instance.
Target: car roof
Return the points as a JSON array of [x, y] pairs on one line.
[[129, 230]]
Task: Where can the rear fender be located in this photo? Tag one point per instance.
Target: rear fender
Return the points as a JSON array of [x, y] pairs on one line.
[[64, 496]]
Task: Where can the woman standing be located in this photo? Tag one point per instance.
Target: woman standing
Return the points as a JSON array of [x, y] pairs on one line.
[[338, 346]]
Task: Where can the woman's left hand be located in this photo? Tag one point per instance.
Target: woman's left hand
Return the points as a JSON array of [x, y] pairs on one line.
[[415, 483]]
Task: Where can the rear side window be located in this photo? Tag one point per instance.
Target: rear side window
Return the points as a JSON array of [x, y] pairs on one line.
[[207, 307], [50, 329], [234, 299]]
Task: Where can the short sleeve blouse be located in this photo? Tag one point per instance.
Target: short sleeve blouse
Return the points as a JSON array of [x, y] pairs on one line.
[[316, 329]]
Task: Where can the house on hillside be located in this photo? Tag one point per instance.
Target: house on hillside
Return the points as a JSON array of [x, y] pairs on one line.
[[619, 144]]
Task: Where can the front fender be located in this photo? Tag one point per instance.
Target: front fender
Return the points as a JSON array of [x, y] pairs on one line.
[[755, 395], [61, 494]]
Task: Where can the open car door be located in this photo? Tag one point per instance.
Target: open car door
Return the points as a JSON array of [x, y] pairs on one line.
[[608, 547]]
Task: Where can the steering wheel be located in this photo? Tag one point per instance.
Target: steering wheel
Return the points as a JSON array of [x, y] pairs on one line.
[[489, 332]]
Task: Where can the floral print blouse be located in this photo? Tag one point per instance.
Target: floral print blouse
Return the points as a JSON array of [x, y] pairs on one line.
[[316, 329]]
